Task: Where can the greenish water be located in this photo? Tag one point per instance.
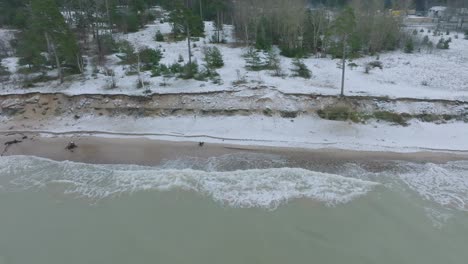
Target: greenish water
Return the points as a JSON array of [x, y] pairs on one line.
[[63, 212]]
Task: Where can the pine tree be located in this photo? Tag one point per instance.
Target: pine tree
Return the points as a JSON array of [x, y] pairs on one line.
[[185, 22], [29, 50], [253, 60], [159, 37], [48, 32], [409, 46], [213, 58], [4, 73], [300, 69], [344, 26], [274, 63]]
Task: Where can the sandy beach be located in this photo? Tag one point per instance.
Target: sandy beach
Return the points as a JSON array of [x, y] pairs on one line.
[[144, 151]]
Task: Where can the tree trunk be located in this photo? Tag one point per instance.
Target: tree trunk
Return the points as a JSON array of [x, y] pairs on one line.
[[344, 67], [189, 44], [51, 46], [80, 63], [201, 9], [141, 82], [108, 15], [218, 26]]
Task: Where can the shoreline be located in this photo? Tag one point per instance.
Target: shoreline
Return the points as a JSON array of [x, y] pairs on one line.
[[136, 150], [260, 117]]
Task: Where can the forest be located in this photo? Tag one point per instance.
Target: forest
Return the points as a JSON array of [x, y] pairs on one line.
[[56, 35]]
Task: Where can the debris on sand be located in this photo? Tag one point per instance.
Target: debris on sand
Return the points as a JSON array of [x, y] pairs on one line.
[[71, 146], [8, 144]]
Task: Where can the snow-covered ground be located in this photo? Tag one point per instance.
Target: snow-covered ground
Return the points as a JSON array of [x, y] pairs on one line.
[[440, 74], [302, 132]]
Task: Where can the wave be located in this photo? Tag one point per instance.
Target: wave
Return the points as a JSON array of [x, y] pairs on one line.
[[445, 184], [266, 188]]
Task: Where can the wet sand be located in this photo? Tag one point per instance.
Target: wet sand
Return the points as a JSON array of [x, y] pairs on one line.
[[143, 151]]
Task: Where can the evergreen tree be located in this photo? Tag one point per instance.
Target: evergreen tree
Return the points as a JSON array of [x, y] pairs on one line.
[[29, 50], [253, 60], [300, 69], [3, 72], [213, 58], [409, 46], [149, 58], [159, 37], [48, 32], [218, 7], [344, 26], [184, 21], [274, 63], [263, 40], [13, 13]]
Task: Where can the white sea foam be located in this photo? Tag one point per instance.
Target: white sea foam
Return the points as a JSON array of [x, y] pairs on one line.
[[445, 184], [267, 188]]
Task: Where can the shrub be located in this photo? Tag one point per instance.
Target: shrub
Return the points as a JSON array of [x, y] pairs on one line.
[[213, 58], [300, 69], [159, 37], [415, 32], [431, 117], [190, 70], [391, 117], [352, 65], [140, 84], [208, 73], [180, 59], [4, 73], [161, 70], [409, 46], [3, 70], [430, 45], [42, 78], [149, 58], [176, 68], [274, 63], [339, 113], [466, 34], [127, 52], [214, 39], [376, 64], [443, 44], [253, 60], [292, 52], [108, 44], [425, 40], [373, 64]]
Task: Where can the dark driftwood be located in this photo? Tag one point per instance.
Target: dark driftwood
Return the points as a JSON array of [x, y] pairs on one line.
[[8, 144], [71, 146]]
